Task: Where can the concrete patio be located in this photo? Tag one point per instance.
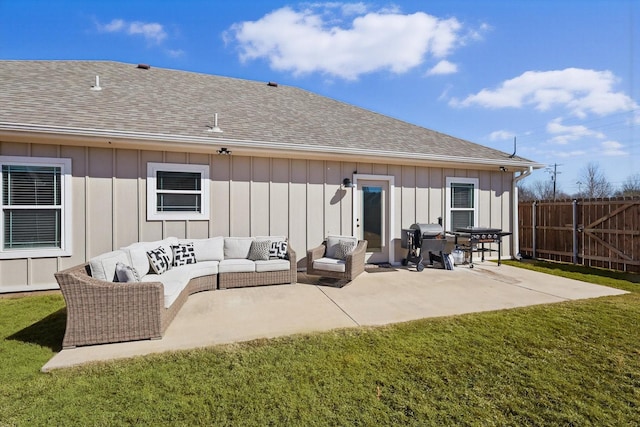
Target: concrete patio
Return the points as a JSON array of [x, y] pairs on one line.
[[377, 297]]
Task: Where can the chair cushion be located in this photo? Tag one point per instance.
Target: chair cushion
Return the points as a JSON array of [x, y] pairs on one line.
[[333, 241], [344, 248], [237, 247], [137, 253], [329, 264], [237, 265], [272, 265], [103, 266]]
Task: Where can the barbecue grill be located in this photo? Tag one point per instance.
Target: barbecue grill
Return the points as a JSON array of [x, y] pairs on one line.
[[420, 238], [480, 235]]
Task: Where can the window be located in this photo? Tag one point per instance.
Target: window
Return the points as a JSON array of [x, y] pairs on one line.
[[36, 207], [462, 203], [177, 192]]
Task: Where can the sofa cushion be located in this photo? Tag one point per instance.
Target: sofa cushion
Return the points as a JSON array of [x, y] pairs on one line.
[[278, 250], [199, 269], [329, 264], [137, 253], [237, 265], [259, 250], [237, 247], [211, 249], [159, 260], [173, 282], [333, 241], [183, 254], [272, 265], [126, 273], [344, 248], [103, 266]]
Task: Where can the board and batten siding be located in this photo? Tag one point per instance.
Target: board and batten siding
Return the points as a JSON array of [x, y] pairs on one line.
[[249, 196]]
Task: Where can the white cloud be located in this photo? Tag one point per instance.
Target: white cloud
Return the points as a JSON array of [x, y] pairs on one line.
[[564, 133], [613, 148], [443, 67], [345, 40], [580, 91], [151, 31], [501, 135]]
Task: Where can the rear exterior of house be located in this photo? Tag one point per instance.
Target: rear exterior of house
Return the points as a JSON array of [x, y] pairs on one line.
[[97, 155]]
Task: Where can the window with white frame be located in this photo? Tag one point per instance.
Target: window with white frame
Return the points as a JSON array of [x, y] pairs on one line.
[[462, 202], [177, 191], [36, 207]]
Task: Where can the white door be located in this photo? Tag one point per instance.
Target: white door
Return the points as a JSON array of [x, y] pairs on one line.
[[372, 218]]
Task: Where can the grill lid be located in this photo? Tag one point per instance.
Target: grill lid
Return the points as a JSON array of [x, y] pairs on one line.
[[428, 230]]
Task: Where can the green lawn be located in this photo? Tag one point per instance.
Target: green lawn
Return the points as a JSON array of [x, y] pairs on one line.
[[574, 363]]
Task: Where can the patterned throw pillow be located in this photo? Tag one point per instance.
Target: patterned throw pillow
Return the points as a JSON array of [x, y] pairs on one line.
[[183, 254], [278, 250], [126, 273], [159, 260], [259, 250], [344, 248]]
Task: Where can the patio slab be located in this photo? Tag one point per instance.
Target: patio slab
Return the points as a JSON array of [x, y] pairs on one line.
[[376, 297]]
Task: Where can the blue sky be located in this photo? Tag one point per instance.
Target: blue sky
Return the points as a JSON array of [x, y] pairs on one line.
[[562, 76]]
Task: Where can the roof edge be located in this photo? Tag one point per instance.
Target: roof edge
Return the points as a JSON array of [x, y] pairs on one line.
[[8, 128]]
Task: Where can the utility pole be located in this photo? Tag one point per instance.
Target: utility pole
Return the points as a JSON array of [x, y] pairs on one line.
[[554, 173]]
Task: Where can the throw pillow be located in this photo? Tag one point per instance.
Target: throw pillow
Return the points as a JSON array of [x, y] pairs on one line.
[[183, 254], [278, 250], [159, 260], [259, 250], [344, 248], [126, 273]]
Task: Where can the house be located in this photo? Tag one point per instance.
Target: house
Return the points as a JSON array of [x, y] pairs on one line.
[[96, 155]]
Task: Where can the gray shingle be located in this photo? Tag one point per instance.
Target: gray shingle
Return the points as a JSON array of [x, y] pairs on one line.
[[182, 104]]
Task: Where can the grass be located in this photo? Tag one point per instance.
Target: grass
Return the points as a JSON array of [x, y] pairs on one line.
[[574, 363]]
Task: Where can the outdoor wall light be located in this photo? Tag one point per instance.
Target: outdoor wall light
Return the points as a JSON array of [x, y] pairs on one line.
[[346, 183], [503, 169], [224, 151]]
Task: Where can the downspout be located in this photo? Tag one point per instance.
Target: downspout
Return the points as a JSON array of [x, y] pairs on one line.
[[515, 248]]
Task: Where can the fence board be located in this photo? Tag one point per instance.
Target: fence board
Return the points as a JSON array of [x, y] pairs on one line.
[[607, 231]]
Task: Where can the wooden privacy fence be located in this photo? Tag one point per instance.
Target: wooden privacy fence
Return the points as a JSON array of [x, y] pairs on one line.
[[593, 232]]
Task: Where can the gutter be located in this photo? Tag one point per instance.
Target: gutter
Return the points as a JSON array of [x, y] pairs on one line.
[[111, 136], [515, 228]]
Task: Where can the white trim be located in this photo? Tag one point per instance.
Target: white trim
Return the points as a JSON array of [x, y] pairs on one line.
[[152, 212], [391, 181], [66, 208], [476, 191]]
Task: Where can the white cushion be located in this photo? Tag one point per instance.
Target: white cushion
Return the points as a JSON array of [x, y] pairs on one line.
[[272, 238], [237, 265], [332, 244], [137, 253], [237, 247], [173, 281], [103, 266], [211, 249], [329, 264], [204, 268], [272, 265]]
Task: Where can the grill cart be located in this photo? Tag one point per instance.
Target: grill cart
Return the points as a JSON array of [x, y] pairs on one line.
[[421, 238], [480, 235]]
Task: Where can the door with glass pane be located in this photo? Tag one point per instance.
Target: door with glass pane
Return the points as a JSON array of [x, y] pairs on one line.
[[372, 220]]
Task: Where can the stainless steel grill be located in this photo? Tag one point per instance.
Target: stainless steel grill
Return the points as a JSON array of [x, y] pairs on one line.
[[479, 236], [420, 238]]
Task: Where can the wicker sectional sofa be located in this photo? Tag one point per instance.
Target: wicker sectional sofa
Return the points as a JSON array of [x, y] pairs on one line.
[[101, 309]]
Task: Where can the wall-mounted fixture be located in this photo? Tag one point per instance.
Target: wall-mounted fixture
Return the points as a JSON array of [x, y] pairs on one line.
[[215, 127], [503, 169], [224, 151], [346, 183]]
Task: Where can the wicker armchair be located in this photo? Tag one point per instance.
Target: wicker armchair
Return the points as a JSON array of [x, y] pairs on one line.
[[348, 269]]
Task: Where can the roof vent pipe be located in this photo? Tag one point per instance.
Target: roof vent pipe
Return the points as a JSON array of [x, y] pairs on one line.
[[215, 127], [97, 85]]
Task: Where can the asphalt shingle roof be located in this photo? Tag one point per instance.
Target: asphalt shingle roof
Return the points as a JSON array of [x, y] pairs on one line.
[[182, 104]]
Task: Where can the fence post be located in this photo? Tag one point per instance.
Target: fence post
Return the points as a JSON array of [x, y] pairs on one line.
[[533, 228], [575, 231]]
